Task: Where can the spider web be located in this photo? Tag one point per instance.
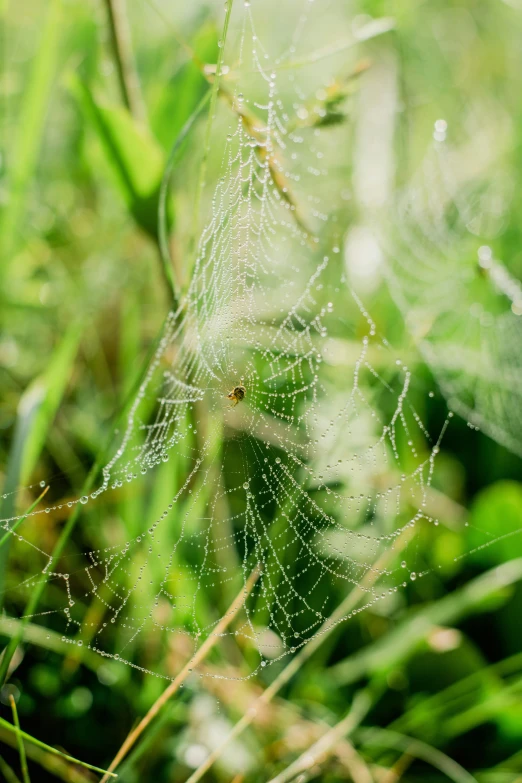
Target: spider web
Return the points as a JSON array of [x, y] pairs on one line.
[[299, 480], [462, 304]]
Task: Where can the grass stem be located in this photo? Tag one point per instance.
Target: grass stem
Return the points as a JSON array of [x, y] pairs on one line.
[[19, 741], [324, 745], [124, 59], [27, 737], [22, 519], [346, 606], [196, 659]]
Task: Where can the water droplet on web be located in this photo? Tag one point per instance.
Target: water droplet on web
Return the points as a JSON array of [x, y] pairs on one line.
[[42, 484], [84, 499]]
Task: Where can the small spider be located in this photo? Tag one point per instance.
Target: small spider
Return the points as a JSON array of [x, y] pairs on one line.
[[237, 394]]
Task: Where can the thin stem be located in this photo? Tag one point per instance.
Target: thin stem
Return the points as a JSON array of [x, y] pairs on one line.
[[312, 756], [22, 519], [417, 748], [354, 763], [196, 659], [123, 55], [395, 772], [49, 749], [346, 606], [19, 741]]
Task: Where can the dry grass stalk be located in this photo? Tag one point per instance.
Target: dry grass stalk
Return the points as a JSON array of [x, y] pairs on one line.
[[196, 659], [344, 608], [325, 744]]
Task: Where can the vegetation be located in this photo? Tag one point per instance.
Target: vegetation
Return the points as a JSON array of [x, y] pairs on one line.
[[108, 165]]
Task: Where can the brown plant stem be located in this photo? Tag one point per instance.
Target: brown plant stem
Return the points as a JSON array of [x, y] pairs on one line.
[[196, 659], [328, 741], [346, 606]]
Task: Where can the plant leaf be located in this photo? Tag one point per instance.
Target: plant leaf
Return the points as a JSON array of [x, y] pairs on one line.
[[30, 126], [134, 157], [53, 384]]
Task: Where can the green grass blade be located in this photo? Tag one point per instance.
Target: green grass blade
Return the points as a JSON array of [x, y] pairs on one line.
[[386, 653], [434, 707], [54, 765], [124, 59], [27, 737], [30, 127], [22, 519], [414, 747], [36, 412], [54, 383], [132, 154], [21, 748], [28, 407], [7, 772]]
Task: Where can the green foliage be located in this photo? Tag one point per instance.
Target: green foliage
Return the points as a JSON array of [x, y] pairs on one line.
[[132, 155], [31, 124], [497, 510], [85, 299]]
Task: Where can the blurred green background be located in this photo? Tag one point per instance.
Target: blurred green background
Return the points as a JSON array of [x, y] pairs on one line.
[[83, 295]]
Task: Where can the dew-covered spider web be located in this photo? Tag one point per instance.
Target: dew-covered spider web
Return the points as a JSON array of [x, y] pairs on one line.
[[308, 480], [462, 303]]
